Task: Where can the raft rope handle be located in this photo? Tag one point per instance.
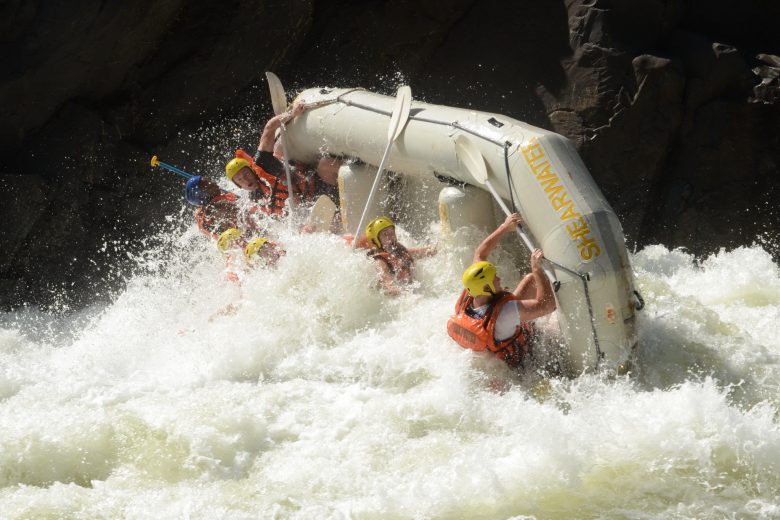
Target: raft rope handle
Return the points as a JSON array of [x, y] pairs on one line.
[[337, 99], [599, 353], [509, 182]]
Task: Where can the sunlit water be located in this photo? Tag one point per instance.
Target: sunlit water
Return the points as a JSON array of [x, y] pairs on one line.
[[320, 398]]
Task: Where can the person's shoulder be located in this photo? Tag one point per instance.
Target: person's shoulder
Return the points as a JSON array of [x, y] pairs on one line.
[[264, 154], [268, 162]]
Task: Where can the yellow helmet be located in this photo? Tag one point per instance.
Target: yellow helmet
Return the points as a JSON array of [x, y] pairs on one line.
[[253, 247], [227, 238], [477, 276], [234, 166], [375, 227]]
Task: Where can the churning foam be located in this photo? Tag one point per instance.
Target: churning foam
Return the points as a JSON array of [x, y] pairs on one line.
[[307, 394]]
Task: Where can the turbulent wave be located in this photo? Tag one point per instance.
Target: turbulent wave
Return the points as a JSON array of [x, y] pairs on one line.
[[306, 394]]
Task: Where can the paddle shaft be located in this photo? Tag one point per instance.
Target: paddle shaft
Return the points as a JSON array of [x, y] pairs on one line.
[[372, 193], [175, 170], [523, 236], [288, 173]]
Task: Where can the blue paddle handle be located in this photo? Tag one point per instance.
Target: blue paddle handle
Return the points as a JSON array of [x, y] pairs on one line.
[[174, 169]]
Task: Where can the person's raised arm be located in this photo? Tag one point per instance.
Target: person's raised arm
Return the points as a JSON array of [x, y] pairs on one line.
[[268, 136], [422, 252], [544, 300], [489, 244]]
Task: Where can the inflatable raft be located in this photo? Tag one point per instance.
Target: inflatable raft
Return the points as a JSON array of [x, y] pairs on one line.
[[537, 171]]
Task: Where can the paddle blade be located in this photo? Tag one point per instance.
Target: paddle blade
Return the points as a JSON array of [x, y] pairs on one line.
[[403, 102], [278, 98], [155, 162], [322, 213], [471, 159]]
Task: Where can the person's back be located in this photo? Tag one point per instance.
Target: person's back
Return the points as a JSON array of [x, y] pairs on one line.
[[488, 317]]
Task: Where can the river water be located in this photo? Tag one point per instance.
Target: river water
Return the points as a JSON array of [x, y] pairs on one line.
[[320, 398]]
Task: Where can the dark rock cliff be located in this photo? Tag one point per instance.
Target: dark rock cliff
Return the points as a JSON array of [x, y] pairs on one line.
[[674, 105]]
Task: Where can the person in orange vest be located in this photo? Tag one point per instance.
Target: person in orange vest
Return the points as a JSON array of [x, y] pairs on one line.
[[489, 317], [394, 261], [216, 209], [264, 175]]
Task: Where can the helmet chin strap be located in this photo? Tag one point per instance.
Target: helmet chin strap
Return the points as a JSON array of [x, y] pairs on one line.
[[490, 292]]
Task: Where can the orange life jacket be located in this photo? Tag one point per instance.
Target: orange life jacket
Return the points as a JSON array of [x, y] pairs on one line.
[[212, 225], [477, 334], [400, 262], [274, 188]]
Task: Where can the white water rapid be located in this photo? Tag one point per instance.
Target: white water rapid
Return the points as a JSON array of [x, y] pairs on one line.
[[321, 399]]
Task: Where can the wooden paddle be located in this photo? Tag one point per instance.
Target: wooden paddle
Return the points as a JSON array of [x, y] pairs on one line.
[[471, 158], [321, 216], [279, 102], [398, 119]]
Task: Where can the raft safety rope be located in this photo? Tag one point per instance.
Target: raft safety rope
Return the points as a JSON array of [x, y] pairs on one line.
[[509, 182]]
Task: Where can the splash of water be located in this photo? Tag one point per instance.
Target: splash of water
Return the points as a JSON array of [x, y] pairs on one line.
[[307, 394]]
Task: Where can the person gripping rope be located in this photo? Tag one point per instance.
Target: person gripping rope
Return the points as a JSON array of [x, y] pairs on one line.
[[394, 261], [488, 317], [264, 177]]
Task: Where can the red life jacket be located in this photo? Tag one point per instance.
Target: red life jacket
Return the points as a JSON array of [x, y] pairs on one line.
[[212, 225], [400, 262], [274, 188], [477, 334]]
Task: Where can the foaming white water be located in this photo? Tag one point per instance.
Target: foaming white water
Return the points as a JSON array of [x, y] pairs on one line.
[[320, 398]]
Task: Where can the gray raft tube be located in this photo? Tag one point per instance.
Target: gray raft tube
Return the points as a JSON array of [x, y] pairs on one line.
[[564, 211]]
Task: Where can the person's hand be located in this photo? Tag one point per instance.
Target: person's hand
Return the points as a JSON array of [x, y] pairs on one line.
[[536, 261], [511, 222], [298, 108]]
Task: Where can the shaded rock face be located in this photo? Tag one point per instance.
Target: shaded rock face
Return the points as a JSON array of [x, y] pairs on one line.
[[672, 103]]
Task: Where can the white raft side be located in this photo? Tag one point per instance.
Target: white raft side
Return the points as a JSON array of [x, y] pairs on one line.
[[562, 206]]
